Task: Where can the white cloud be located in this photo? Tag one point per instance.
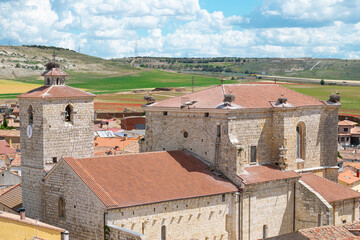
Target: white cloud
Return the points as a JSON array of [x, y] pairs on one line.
[[111, 28]]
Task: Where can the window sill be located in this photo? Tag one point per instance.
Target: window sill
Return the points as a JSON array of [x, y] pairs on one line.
[[299, 160]]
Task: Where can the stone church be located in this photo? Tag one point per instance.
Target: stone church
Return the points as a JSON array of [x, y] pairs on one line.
[[228, 162]]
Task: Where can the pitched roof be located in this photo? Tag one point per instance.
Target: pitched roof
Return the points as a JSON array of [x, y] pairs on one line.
[[331, 232], [9, 133], [138, 179], [328, 189], [29, 221], [54, 72], [352, 164], [265, 173], [5, 148], [246, 96], [12, 198], [348, 176], [55, 91], [347, 123]]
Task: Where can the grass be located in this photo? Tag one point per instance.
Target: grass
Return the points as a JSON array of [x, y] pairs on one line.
[[350, 96]]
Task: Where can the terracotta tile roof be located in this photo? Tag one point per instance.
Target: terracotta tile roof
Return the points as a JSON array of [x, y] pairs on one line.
[[331, 232], [9, 133], [112, 142], [355, 130], [5, 148], [55, 91], [351, 156], [2, 190], [12, 198], [329, 190], [54, 72], [347, 123], [265, 173], [137, 179], [246, 96], [28, 221], [348, 176], [355, 165]]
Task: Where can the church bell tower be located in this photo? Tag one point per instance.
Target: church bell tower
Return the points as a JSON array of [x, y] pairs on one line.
[[55, 121]]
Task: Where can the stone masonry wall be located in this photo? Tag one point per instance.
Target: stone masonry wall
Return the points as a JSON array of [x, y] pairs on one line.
[[267, 129], [52, 137], [346, 211], [63, 138], [270, 204], [84, 212], [309, 205], [196, 218]]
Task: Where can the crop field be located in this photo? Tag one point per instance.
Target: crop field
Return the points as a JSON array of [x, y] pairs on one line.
[[142, 80], [350, 96], [14, 87]]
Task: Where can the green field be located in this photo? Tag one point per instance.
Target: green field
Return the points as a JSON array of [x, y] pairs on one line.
[[350, 96], [144, 79]]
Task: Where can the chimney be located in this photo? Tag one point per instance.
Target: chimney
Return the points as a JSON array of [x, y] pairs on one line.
[[65, 235], [10, 143], [357, 172], [22, 213]]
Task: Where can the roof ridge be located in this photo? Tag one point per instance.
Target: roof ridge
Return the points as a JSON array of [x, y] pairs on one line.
[[300, 93], [78, 89], [215, 86], [342, 186], [11, 189], [43, 95], [97, 184]]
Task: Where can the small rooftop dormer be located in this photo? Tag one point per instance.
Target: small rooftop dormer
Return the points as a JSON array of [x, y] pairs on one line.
[[53, 74]]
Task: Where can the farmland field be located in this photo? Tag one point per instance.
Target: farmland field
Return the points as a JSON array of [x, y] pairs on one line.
[[350, 96]]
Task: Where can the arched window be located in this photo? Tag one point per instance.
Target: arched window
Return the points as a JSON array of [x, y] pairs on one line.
[[57, 81], [163, 232], [68, 112], [300, 141], [48, 81], [61, 207], [31, 114]]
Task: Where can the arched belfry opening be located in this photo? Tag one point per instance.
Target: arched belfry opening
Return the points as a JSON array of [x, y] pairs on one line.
[[31, 114], [68, 113]]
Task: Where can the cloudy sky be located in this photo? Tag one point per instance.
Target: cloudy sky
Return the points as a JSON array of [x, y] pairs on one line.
[[187, 28]]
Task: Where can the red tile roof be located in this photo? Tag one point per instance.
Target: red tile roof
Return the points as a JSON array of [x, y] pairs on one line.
[[348, 176], [355, 165], [55, 91], [12, 198], [137, 179], [265, 173], [54, 72], [5, 148], [246, 96], [331, 232], [9, 133], [329, 190], [347, 123]]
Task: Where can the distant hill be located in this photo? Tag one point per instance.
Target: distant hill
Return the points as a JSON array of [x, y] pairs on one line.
[[18, 62], [340, 69]]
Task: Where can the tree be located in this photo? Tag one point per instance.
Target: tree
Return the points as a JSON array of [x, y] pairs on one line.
[[4, 125], [322, 82]]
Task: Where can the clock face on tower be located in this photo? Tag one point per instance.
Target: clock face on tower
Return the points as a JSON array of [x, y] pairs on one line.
[[29, 131]]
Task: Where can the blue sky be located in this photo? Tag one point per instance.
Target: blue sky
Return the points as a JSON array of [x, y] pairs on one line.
[[192, 28]]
